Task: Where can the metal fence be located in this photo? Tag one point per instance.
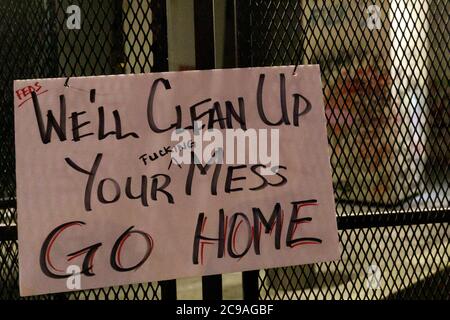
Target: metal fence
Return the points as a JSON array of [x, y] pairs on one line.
[[385, 73], [36, 42]]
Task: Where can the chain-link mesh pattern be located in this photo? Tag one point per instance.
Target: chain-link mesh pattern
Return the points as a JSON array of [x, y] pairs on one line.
[[36, 42], [376, 263], [385, 72]]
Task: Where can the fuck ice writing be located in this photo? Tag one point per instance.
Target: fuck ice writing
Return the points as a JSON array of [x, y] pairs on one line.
[[222, 114]]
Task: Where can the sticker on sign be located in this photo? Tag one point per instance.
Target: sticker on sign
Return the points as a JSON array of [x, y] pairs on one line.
[[148, 177]]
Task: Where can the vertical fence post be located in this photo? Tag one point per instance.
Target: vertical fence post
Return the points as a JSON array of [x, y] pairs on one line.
[[241, 28], [161, 63], [204, 34], [205, 59], [250, 285], [168, 290], [243, 34], [160, 39], [230, 58]]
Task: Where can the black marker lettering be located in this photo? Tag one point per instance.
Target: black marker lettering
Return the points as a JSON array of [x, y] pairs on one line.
[[150, 107], [90, 181], [46, 130]]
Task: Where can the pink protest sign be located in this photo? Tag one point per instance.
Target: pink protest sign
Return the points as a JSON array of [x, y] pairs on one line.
[[138, 178]]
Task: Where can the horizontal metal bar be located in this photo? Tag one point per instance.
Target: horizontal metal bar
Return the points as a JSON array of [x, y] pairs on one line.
[[389, 219], [8, 204], [8, 233]]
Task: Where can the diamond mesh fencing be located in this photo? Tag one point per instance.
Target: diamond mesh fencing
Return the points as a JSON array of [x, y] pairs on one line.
[[385, 72], [40, 39]]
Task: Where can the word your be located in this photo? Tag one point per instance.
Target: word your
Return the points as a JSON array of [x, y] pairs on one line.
[[156, 186], [89, 252], [226, 239], [73, 22], [236, 140]]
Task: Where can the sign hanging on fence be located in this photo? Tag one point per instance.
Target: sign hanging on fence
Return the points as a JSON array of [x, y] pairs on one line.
[[138, 178]]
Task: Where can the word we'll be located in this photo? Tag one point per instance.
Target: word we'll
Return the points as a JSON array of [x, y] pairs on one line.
[[223, 114]]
